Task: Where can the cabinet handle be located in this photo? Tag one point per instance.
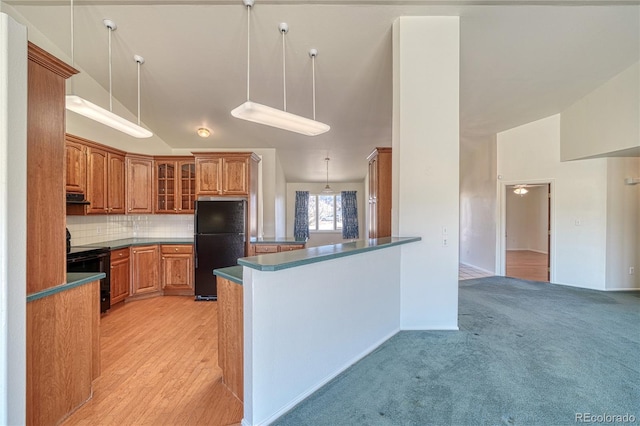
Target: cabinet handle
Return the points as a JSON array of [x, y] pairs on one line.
[[162, 257], [176, 249]]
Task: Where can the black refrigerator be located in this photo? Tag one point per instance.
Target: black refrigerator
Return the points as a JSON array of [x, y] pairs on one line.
[[220, 227]]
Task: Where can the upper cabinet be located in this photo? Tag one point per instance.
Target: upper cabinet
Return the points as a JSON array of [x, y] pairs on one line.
[[75, 165], [139, 184], [175, 185], [379, 193], [105, 180], [225, 173]]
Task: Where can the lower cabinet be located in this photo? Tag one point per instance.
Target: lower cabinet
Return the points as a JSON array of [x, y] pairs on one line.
[[119, 275], [257, 249], [145, 277], [177, 269], [152, 270]]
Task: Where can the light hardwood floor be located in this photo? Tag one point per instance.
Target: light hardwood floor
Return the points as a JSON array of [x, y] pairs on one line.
[[528, 265], [160, 367]]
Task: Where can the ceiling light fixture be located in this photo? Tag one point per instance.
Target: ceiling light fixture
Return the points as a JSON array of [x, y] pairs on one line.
[[94, 112], [520, 190], [327, 189], [203, 132], [262, 114], [632, 181]]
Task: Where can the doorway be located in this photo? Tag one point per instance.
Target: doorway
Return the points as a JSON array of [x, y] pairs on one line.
[[527, 231]]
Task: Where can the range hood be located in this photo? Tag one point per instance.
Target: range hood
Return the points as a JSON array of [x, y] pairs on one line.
[[76, 198]]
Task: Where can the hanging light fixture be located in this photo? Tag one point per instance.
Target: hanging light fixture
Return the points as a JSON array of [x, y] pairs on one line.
[[262, 114], [520, 190], [327, 189], [90, 110]]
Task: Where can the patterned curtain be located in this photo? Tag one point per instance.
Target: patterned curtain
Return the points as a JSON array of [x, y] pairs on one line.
[[301, 222], [349, 215]]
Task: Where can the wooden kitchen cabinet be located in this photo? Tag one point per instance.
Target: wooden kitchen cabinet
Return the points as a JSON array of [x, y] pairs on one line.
[[139, 186], [177, 269], [379, 196], [45, 211], [145, 277], [105, 180], [119, 275], [225, 174], [75, 165], [208, 175], [257, 249], [175, 185]]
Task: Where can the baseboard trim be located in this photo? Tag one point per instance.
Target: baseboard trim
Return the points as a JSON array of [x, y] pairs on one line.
[[528, 249], [478, 268], [431, 328], [622, 289]]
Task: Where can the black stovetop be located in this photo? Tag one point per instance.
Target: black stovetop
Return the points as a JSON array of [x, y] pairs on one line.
[[83, 251]]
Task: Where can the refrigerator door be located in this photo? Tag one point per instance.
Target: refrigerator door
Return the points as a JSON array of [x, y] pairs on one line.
[[212, 252], [220, 217]]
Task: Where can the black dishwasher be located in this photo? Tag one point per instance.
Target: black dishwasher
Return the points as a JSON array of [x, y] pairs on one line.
[[92, 259]]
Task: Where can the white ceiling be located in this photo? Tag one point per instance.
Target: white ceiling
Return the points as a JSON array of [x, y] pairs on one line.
[[520, 61]]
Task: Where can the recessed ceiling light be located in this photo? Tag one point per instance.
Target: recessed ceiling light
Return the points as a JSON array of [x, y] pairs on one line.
[[203, 132]]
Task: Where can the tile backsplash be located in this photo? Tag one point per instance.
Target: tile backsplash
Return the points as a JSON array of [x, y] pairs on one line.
[[95, 229]]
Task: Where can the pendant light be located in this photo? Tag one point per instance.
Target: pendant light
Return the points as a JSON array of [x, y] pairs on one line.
[[94, 112], [262, 114], [327, 189]]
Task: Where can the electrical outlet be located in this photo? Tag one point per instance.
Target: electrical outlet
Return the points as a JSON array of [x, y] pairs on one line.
[[99, 230], [445, 241], [632, 270]]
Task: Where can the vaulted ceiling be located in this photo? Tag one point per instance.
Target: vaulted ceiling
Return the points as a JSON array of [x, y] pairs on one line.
[[520, 61]]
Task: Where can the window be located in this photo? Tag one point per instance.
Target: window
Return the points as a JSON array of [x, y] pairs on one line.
[[325, 212]]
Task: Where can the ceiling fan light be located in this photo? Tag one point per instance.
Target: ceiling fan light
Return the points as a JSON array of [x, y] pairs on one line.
[[262, 114], [83, 107]]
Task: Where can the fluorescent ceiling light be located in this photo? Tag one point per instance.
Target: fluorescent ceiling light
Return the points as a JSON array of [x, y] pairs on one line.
[[262, 114], [83, 107]]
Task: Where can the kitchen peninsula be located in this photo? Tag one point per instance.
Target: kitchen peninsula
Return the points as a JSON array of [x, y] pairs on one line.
[[307, 315]]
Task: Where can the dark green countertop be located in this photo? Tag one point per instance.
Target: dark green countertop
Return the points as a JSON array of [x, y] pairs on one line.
[[292, 259], [232, 273], [129, 242], [74, 279], [277, 240]]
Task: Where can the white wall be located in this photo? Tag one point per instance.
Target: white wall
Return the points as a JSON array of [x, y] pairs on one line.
[[478, 202], [579, 205], [623, 224], [304, 325], [321, 238], [425, 176], [13, 220], [527, 219], [607, 120]]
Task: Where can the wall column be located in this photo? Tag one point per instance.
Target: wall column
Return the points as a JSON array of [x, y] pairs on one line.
[[426, 62], [13, 220]]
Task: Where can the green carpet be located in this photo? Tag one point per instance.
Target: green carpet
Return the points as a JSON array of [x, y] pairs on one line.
[[527, 353]]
